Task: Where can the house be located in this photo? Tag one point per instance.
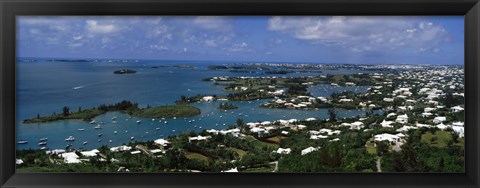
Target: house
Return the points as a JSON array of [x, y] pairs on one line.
[[388, 99], [70, 158], [357, 125], [387, 137], [459, 124], [308, 150], [457, 109], [386, 123], [283, 151], [91, 153], [439, 119], [135, 152], [120, 148], [426, 114], [162, 142], [208, 98], [402, 119], [285, 132], [198, 138], [231, 170], [459, 130]]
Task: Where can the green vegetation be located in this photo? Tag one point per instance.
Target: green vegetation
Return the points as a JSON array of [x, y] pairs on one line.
[[123, 106], [167, 111], [226, 106]]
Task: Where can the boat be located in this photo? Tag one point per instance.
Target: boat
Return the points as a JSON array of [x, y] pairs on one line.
[[85, 143], [166, 122], [93, 122], [110, 141], [80, 129], [139, 121], [114, 122], [101, 134], [98, 127], [114, 132], [157, 129], [99, 140], [70, 138], [114, 118], [43, 139], [22, 142], [131, 138], [42, 143], [44, 148]]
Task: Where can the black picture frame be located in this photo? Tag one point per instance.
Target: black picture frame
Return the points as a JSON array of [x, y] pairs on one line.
[[11, 8]]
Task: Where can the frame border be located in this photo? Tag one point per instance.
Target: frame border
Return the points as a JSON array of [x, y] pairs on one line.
[[11, 8]]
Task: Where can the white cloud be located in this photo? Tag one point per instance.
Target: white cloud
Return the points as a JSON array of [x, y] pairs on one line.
[[94, 27], [363, 33], [239, 47]]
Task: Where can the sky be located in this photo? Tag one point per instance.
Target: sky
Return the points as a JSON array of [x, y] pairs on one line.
[[316, 39]]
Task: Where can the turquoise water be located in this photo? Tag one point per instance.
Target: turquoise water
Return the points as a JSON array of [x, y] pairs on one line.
[[45, 87]]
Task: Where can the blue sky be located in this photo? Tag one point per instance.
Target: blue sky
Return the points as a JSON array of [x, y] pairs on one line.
[[319, 39]]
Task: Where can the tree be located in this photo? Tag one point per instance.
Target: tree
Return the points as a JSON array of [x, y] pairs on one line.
[[66, 110], [332, 114]]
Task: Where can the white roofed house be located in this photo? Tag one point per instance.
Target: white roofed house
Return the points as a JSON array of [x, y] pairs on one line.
[[162, 142], [439, 119], [357, 125], [402, 119], [283, 151], [70, 158], [208, 98], [308, 150], [198, 138], [457, 109], [388, 137]]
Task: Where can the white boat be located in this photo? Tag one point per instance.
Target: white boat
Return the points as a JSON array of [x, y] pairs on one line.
[[85, 143], [166, 122], [22, 142], [101, 134], [80, 129], [114, 132], [43, 139], [42, 143], [44, 148], [98, 127], [157, 129], [114, 118], [131, 138], [110, 141], [114, 122], [70, 138], [139, 121], [99, 140], [93, 122]]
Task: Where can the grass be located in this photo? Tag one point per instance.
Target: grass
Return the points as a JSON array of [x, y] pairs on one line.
[[198, 156], [442, 138], [240, 152], [168, 111], [371, 149], [259, 144], [275, 139]]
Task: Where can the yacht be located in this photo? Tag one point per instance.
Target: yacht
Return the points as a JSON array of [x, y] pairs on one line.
[[131, 138], [98, 127], [70, 138], [43, 139], [22, 142], [85, 143], [93, 122], [42, 143], [101, 134], [44, 148], [80, 129], [139, 121]]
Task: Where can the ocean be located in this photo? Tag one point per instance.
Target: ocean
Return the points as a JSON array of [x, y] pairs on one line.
[[46, 87]]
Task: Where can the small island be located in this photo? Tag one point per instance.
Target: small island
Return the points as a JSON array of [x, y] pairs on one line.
[[217, 67], [184, 67], [226, 106], [123, 106], [124, 71]]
